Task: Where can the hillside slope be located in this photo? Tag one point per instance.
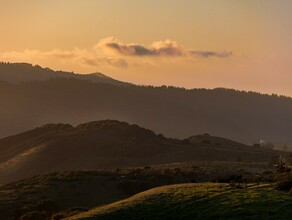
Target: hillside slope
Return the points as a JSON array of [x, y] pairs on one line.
[[107, 144], [60, 147], [241, 116], [198, 201]]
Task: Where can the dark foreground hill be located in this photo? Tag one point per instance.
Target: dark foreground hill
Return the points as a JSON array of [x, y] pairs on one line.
[[109, 144], [59, 191], [241, 116], [198, 201], [59, 195]]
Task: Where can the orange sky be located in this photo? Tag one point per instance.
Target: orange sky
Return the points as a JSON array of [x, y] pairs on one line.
[[243, 44]]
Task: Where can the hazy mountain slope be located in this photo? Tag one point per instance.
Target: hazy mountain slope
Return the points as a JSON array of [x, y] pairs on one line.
[[218, 142], [107, 144], [24, 72], [241, 116], [88, 146], [198, 201]]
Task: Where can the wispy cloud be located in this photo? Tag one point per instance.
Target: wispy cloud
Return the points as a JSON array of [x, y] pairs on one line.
[[207, 54], [116, 62], [113, 53], [167, 47], [89, 57]]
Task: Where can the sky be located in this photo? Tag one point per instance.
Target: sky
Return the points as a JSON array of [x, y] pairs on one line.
[[242, 44]]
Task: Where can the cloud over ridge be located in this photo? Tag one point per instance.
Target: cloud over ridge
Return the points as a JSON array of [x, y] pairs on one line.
[[113, 53]]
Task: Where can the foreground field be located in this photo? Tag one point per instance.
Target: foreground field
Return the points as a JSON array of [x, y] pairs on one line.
[[64, 194], [199, 201]]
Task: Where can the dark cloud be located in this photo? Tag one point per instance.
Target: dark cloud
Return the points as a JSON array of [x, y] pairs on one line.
[[130, 50], [158, 48], [207, 54]]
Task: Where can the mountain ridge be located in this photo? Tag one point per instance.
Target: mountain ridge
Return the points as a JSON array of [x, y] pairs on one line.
[[247, 117], [24, 72]]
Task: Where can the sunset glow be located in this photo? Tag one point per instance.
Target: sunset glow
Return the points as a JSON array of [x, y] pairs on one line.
[[240, 44]]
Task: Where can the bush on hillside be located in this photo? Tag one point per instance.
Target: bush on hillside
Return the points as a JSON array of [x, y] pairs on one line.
[[132, 187], [36, 215], [283, 177], [69, 212], [283, 181], [289, 159]]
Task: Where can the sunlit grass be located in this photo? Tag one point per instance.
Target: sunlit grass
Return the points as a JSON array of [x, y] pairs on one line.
[[208, 201]]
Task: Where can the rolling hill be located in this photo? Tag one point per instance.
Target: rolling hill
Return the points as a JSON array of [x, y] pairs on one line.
[[246, 117], [62, 194], [198, 201], [60, 147], [108, 144]]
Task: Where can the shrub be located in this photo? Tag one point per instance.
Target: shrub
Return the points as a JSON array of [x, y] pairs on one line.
[[36, 215], [232, 184], [283, 177], [59, 216], [206, 142], [133, 186], [238, 159], [47, 205], [77, 209], [186, 141], [289, 159], [256, 145], [282, 168], [226, 178], [284, 182], [69, 212]]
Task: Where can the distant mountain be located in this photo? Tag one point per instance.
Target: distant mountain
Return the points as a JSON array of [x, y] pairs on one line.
[[106, 144], [246, 117], [24, 72], [218, 142]]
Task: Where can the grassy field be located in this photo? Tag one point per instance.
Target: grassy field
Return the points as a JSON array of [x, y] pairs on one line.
[[63, 194], [199, 201]]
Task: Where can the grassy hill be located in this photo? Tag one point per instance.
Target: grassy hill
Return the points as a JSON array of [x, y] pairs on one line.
[[198, 201], [70, 192], [109, 144]]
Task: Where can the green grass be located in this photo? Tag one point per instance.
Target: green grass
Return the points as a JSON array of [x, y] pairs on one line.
[[199, 201]]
